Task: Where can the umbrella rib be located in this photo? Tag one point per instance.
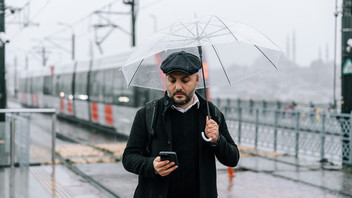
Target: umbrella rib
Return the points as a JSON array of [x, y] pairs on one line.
[[222, 66], [135, 72], [187, 28], [226, 27], [266, 56], [206, 25]]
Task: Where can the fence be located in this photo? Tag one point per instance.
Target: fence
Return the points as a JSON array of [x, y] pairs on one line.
[[320, 135], [15, 136]]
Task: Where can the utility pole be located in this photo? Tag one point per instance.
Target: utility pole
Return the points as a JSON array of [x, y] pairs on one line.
[[346, 78], [15, 77], [2, 62], [44, 56], [73, 40], [132, 3]]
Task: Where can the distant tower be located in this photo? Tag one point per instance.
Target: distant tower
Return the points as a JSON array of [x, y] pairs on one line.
[[288, 47], [294, 46]]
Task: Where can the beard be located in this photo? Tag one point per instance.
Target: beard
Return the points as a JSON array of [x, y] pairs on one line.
[[185, 101]]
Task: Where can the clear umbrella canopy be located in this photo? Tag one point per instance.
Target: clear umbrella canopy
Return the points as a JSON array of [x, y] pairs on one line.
[[232, 52]]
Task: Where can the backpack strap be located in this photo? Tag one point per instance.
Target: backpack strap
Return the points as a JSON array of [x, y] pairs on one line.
[[150, 117], [217, 114]]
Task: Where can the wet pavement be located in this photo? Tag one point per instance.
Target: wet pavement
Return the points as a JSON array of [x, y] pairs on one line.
[[44, 182], [256, 176]]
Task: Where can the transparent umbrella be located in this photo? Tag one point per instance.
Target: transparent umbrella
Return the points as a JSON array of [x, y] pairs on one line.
[[219, 43]]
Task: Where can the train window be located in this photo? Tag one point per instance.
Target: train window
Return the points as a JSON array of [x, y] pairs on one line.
[[66, 83], [121, 94], [96, 86], [48, 85], [22, 85], [57, 85], [81, 82], [28, 85], [108, 80]]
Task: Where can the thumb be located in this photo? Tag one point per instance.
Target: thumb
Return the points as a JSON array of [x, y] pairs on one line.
[[157, 159]]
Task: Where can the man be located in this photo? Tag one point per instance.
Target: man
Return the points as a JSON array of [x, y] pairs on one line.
[[181, 116]]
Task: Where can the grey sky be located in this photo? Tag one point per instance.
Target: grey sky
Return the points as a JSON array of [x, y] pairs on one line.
[[312, 21]]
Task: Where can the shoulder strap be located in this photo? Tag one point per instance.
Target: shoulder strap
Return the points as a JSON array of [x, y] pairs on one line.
[[216, 113], [150, 117]]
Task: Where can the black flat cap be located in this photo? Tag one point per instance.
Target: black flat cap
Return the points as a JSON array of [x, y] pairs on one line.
[[181, 61]]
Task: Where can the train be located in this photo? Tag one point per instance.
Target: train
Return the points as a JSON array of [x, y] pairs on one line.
[[92, 92]]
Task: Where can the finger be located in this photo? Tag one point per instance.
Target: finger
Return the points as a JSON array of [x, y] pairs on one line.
[[158, 159], [163, 163], [168, 171]]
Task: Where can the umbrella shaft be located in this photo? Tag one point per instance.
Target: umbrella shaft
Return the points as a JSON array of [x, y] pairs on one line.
[[205, 87]]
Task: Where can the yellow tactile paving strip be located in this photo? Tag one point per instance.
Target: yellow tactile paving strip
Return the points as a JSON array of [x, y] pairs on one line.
[[246, 151], [115, 148], [84, 154], [49, 183]]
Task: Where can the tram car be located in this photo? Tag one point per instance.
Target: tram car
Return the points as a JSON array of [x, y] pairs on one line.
[[92, 92]]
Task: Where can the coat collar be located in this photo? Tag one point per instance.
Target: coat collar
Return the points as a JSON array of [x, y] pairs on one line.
[[168, 102]]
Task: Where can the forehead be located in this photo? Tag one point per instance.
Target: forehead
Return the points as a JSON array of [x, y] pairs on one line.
[[178, 75]]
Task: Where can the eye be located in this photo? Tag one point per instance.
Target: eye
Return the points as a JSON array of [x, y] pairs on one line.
[[185, 80]]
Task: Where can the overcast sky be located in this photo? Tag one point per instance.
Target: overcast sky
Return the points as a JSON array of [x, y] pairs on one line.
[[312, 23]]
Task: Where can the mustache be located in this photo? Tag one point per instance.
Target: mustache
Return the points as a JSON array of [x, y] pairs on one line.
[[179, 92]]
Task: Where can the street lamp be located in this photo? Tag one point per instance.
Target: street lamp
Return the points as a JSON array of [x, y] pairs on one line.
[[72, 38]]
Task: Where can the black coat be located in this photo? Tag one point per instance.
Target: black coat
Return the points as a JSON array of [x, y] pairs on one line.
[[153, 185]]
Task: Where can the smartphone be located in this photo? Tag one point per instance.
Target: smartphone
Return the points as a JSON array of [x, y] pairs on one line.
[[168, 155]]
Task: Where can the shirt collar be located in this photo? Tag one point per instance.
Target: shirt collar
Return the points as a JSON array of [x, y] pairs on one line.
[[195, 102]]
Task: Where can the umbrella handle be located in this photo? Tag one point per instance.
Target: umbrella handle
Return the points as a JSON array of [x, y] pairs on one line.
[[205, 138]]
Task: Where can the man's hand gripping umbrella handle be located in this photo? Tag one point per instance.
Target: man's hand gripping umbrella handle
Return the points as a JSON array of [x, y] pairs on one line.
[[205, 138]]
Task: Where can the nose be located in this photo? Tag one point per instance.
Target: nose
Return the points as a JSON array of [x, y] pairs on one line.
[[178, 85]]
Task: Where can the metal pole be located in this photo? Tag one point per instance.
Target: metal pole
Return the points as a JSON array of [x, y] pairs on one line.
[[12, 151], [322, 138], [297, 135], [275, 128], [133, 24], [256, 127], [239, 124], [350, 141], [335, 39], [2, 62], [73, 46], [15, 77], [53, 138]]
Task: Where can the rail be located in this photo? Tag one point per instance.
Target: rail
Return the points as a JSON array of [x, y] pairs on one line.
[[321, 135], [13, 129]]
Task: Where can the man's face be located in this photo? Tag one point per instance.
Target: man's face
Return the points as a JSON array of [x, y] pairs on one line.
[[181, 87]]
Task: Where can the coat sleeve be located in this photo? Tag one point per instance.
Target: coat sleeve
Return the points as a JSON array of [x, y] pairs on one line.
[[225, 149], [133, 159]]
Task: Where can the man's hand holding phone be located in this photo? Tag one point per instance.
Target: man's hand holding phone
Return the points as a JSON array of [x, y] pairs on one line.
[[165, 163]]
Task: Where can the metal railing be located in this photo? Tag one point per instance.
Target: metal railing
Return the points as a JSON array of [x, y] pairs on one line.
[[319, 135], [22, 115]]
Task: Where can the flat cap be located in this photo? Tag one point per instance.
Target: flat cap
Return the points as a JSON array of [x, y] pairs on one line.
[[181, 61]]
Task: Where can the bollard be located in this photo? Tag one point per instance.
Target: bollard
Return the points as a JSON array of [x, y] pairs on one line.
[[231, 172]]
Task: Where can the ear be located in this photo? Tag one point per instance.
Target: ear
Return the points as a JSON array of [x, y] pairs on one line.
[[197, 78]]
